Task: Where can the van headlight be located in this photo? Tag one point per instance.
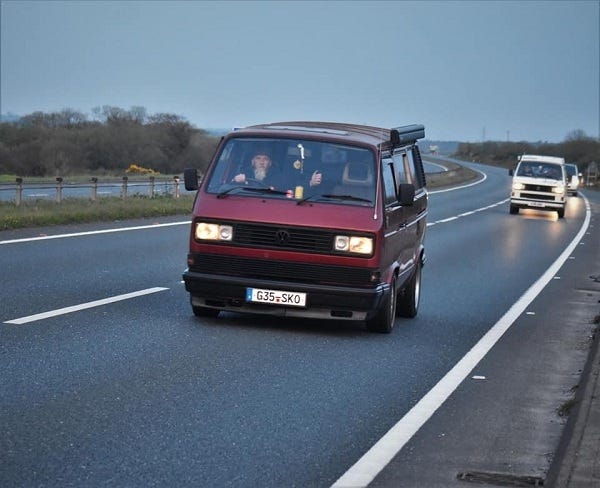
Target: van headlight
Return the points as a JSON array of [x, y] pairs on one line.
[[518, 186], [354, 244], [558, 189], [213, 232]]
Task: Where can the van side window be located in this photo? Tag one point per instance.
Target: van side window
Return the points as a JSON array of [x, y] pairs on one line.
[[407, 162], [403, 173], [418, 164], [389, 180], [406, 168]]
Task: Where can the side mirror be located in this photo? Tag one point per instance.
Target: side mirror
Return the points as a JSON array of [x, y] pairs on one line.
[[511, 172], [406, 194], [190, 179]]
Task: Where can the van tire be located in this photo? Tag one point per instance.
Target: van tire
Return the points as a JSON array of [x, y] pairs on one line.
[[561, 213], [514, 209], [408, 304], [383, 321]]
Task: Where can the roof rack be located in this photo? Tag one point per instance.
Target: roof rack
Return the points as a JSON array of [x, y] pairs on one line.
[[393, 137], [407, 133]]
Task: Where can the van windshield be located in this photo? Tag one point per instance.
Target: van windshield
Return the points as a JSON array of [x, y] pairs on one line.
[[540, 170], [295, 168]]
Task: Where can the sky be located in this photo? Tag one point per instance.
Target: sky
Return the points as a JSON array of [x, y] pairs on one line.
[[467, 70]]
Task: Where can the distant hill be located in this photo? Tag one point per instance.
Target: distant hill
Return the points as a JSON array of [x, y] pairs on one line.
[[217, 132], [9, 117]]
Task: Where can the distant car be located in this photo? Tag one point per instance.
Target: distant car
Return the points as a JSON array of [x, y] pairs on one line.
[[572, 178]]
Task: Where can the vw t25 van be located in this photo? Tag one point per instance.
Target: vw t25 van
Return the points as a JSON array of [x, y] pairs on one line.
[[539, 182], [310, 219]]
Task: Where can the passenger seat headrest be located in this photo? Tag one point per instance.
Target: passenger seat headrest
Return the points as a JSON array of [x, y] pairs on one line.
[[357, 174]]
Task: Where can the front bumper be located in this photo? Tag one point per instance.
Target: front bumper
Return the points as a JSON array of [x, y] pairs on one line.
[[323, 301], [539, 204]]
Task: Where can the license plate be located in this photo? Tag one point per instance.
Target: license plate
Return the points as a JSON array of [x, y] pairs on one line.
[[537, 204], [276, 297]]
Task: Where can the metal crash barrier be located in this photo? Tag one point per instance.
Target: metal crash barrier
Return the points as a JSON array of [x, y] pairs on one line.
[[59, 189]]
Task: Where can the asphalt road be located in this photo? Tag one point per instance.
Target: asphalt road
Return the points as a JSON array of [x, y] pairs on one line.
[[139, 392]]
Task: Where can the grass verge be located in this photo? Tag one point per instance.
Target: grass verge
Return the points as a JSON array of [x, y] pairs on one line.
[[455, 175], [78, 210]]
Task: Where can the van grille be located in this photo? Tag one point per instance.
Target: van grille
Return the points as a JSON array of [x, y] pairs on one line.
[[275, 237], [280, 270], [538, 196], [543, 188]]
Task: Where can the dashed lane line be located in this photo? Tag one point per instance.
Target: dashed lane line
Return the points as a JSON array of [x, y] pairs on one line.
[[466, 214], [84, 306], [93, 232]]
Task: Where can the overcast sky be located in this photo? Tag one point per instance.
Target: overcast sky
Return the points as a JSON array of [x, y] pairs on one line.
[[469, 70]]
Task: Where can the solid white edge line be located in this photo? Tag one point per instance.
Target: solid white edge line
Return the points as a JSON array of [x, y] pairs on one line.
[[93, 232], [383, 451], [83, 306]]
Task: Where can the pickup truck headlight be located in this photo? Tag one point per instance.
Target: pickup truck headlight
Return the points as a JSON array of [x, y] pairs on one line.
[[353, 244], [213, 232]]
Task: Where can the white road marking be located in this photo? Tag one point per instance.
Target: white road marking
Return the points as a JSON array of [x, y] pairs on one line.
[[83, 306], [375, 459], [466, 214], [93, 232]]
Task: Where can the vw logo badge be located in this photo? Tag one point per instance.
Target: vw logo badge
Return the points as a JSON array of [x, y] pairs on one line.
[[282, 237]]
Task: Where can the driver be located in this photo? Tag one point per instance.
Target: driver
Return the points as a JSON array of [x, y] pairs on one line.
[[261, 168]]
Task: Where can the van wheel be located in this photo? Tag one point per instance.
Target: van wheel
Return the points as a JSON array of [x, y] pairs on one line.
[[514, 209], [408, 305], [204, 312], [561, 213], [384, 319]]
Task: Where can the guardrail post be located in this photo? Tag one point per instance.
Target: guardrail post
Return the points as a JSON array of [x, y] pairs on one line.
[[94, 188], [176, 183], [152, 187], [124, 187], [59, 181], [19, 191]]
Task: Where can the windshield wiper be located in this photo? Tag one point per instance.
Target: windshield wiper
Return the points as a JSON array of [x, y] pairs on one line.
[[348, 197], [264, 190], [332, 196], [224, 193], [254, 189], [309, 197]]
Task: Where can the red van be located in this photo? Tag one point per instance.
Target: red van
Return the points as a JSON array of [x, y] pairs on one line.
[[310, 219]]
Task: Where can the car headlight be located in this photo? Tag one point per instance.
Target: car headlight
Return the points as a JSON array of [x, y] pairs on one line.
[[213, 232], [518, 186], [353, 244]]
